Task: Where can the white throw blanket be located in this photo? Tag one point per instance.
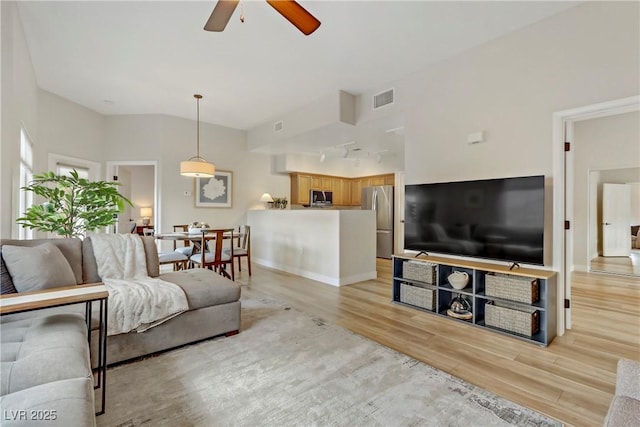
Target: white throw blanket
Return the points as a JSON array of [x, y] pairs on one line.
[[137, 302]]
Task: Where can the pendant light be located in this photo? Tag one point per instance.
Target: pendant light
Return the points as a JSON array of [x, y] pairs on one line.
[[197, 166]]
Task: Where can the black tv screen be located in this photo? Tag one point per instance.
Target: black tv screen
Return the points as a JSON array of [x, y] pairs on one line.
[[499, 219]]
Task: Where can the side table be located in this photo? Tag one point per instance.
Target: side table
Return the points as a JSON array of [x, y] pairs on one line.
[[57, 297]]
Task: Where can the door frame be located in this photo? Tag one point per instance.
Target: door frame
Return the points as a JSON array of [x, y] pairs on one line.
[[563, 191], [157, 212]]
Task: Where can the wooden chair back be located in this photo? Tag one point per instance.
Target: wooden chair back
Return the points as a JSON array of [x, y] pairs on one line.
[[178, 228], [217, 262]]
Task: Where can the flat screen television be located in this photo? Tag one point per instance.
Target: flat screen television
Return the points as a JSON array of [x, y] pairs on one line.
[[498, 219]]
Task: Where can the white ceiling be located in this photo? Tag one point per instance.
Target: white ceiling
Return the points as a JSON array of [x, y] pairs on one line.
[[150, 57]]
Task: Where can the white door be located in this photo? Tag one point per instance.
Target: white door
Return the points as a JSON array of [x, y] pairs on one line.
[[616, 219]]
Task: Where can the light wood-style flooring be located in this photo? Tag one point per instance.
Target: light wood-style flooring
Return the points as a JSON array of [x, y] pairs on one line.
[[627, 265], [572, 380]]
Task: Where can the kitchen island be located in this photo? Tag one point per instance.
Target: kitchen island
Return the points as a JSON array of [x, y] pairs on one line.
[[337, 247]]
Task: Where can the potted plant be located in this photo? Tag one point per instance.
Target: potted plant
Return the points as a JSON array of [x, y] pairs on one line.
[[73, 205]]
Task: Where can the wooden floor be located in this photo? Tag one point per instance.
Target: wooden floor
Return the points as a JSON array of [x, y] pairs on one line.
[[572, 380], [626, 265]]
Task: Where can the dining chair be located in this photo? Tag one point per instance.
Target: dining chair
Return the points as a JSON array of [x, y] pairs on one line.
[[243, 248], [216, 258], [186, 248], [179, 261]]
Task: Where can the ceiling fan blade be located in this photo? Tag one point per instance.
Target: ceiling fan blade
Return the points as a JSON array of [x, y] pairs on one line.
[[221, 15], [296, 14]]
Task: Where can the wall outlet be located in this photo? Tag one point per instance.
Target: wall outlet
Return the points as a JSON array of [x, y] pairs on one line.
[[186, 193]]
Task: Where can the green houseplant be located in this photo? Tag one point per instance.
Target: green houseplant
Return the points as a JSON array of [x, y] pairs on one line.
[[73, 205]]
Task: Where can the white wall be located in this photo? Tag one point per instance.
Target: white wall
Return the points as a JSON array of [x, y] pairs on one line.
[[19, 97], [600, 144], [509, 88], [169, 140], [347, 168]]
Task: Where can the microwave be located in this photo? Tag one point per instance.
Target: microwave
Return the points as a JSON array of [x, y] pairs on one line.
[[321, 198]]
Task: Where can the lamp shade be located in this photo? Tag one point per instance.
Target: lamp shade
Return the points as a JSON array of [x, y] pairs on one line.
[[266, 197], [146, 212], [197, 168]]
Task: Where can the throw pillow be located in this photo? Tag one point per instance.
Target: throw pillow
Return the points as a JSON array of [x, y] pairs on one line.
[[39, 267], [5, 280]]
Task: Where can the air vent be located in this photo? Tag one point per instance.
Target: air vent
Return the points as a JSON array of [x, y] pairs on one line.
[[278, 126], [383, 98]]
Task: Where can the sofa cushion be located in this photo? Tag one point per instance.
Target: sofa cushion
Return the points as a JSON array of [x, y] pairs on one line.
[[203, 287], [90, 266], [67, 403], [628, 378], [5, 279], [41, 350], [39, 267], [623, 412], [71, 248]]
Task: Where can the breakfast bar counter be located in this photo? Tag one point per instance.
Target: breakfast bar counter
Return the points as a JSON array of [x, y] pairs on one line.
[[337, 247]]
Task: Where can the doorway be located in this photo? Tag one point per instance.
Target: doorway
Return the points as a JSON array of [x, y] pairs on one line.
[[139, 183], [570, 206], [625, 258]]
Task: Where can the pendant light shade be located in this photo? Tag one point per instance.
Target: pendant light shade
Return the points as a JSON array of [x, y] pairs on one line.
[[197, 166]]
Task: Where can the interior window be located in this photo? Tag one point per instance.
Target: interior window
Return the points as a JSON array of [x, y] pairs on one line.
[[26, 175]]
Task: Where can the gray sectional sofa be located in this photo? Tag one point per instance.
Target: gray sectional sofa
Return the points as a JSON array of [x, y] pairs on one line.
[[624, 410], [46, 362]]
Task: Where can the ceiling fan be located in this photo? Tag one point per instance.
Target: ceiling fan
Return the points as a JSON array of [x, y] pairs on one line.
[[291, 10]]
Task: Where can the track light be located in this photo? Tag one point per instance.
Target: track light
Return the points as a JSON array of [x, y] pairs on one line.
[[322, 157]]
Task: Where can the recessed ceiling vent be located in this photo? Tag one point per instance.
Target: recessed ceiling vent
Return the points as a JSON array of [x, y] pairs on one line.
[[383, 98], [278, 126]]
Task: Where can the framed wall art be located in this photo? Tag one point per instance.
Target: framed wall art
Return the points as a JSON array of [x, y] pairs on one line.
[[215, 192]]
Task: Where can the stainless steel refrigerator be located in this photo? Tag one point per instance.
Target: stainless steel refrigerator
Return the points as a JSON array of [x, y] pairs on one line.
[[380, 199]]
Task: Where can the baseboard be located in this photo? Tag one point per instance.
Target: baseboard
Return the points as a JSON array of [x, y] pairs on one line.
[[330, 280]]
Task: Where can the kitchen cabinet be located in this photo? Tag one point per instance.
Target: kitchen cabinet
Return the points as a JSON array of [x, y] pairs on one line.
[[356, 192], [376, 180], [301, 185], [341, 188], [316, 182], [346, 191], [327, 184]]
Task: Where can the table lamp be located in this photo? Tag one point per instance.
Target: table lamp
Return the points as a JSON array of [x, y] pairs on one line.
[[267, 199], [146, 214]]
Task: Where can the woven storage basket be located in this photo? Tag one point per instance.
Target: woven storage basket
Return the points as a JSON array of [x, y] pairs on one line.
[[514, 288], [420, 271], [415, 295], [513, 318]]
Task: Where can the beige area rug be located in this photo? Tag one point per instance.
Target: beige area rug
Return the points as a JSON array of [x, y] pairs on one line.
[[286, 368]]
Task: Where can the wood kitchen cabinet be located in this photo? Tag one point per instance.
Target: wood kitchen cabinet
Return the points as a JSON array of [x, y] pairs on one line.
[[346, 191], [376, 180], [301, 185], [327, 184], [316, 182], [341, 188], [356, 192]]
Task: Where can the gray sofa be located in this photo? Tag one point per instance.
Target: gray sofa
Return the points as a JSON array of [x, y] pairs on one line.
[[624, 409], [46, 361]]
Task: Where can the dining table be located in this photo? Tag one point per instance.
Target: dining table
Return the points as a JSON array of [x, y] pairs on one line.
[[199, 238]]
